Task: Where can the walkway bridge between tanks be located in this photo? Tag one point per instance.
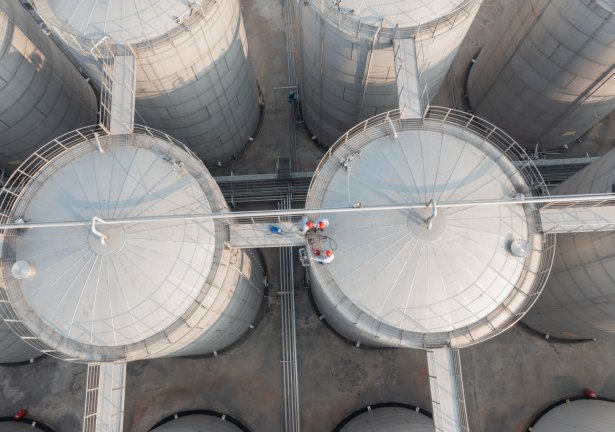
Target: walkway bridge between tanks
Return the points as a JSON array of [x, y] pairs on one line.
[[272, 228], [265, 235], [104, 397], [578, 216], [446, 384]]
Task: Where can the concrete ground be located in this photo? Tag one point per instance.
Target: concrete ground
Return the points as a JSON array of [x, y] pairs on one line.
[[507, 379], [266, 31], [53, 391], [247, 382], [512, 377]]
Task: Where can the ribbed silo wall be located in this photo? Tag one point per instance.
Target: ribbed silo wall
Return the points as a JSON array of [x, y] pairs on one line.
[[236, 311], [348, 75], [195, 82], [41, 93], [145, 172], [547, 72], [199, 86], [578, 301]]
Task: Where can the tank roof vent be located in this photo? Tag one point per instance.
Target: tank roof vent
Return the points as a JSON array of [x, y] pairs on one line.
[[22, 270], [520, 248]]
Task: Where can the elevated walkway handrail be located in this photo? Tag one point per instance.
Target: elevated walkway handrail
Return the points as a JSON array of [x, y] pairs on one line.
[[273, 215]]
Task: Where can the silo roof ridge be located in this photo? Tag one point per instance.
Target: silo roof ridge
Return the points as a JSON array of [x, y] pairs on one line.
[[405, 13], [124, 21], [144, 277]]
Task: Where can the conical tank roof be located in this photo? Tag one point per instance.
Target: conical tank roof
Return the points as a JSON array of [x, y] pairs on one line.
[[124, 21], [408, 272], [392, 13], [121, 295]]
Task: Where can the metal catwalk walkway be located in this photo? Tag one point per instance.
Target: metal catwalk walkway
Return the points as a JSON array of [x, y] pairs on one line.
[[104, 397], [407, 77], [578, 217], [265, 235], [445, 380]]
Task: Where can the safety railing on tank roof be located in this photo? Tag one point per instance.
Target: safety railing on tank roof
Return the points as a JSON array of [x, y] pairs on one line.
[[345, 20], [496, 136], [13, 190], [510, 149], [390, 123], [183, 23], [436, 118], [16, 192]]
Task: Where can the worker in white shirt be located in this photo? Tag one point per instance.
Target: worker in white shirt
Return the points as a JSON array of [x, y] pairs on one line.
[[326, 259], [322, 223], [306, 225]]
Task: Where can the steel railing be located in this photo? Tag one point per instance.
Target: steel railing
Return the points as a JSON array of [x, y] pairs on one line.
[[92, 385], [345, 20], [460, 395], [17, 193], [107, 52], [455, 123], [421, 65], [441, 375], [104, 397]]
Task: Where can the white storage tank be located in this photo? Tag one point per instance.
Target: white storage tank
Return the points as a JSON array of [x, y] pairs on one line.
[[427, 278], [546, 74], [200, 421], [576, 414], [388, 418], [194, 78], [41, 93], [578, 299], [102, 292], [12, 348], [347, 59]]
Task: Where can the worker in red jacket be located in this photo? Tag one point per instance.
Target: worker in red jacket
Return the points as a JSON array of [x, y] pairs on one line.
[[327, 258], [306, 225]]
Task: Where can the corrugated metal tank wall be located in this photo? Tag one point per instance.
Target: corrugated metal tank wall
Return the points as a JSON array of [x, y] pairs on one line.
[[13, 349], [244, 282], [346, 77], [390, 285], [194, 81], [547, 72], [578, 301], [199, 296], [389, 419], [198, 423], [41, 93]]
